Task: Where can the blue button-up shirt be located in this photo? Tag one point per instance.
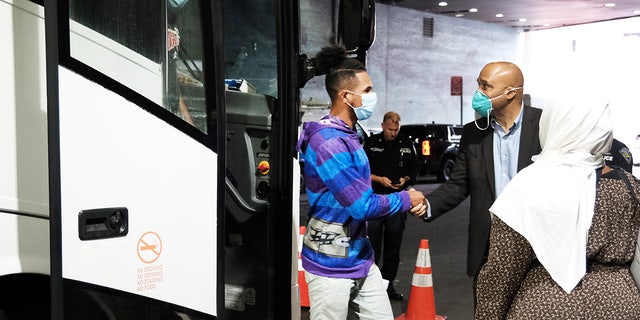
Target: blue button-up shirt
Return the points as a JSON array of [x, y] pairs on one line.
[[506, 146]]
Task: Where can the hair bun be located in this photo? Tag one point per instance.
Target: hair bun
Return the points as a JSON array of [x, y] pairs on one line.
[[329, 58]]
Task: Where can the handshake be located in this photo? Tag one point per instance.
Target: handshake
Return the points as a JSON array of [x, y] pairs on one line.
[[418, 203]]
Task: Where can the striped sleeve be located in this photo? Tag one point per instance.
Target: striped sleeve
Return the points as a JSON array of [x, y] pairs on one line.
[[344, 169]]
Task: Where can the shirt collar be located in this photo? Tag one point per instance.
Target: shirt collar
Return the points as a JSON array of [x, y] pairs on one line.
[[516, 123]]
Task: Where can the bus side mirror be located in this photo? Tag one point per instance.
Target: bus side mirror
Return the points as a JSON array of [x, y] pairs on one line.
[[356, 31], [356, 26]]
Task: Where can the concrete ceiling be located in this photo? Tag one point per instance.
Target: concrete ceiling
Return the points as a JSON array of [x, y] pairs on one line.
[[539, 14]]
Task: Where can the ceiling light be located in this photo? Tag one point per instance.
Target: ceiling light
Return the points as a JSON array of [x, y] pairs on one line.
[[473, 10], [443, 4], [458, 15], [610, 5], [499, 15], [636, 11], [546, 25], [522, 19]]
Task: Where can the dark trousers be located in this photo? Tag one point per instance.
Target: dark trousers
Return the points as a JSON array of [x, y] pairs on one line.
[[386, 237]]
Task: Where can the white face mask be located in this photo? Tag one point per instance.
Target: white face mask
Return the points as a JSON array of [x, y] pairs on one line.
[[369, 101]]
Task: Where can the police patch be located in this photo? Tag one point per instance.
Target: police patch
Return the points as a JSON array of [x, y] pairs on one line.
[[626, 154]]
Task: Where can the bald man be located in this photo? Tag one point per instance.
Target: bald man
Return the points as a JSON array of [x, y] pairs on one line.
[[492, 149]]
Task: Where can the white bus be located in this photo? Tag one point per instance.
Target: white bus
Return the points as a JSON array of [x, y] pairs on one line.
[[147, 166]]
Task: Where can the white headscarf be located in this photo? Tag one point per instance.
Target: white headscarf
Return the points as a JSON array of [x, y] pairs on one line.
[[551, 202]]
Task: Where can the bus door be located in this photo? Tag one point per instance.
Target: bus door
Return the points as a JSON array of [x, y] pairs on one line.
[[136, 173], [263, 73], [260, 50]]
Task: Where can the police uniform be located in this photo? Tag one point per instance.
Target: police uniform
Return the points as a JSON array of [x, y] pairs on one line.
[[392, 159], [619, 156]]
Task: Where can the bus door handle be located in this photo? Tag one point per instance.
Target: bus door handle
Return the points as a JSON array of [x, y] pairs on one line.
[[103, 223], [237, 197]]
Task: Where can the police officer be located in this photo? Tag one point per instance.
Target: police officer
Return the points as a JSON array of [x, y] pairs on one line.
[[619, 156], [394, 167]]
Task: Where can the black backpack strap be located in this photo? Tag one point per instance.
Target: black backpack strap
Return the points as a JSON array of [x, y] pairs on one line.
[[624, 178]]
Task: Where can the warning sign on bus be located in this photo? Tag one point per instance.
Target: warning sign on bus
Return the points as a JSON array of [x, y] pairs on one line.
[[149, 247], [150, 276]]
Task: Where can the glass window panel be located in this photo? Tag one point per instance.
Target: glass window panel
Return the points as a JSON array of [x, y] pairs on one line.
[[153, 47], [250, 44]]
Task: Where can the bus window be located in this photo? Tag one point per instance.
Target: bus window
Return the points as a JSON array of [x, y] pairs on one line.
[[154, 48], [250, 51]]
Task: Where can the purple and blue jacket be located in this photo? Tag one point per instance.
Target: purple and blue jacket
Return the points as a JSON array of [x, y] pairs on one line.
[[338, 182]]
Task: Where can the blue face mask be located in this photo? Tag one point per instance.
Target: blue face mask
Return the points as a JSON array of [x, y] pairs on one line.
[[369, 101], [481, 103]]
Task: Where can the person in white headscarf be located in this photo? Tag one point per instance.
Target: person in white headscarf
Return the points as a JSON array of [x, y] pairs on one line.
[[564, 229]]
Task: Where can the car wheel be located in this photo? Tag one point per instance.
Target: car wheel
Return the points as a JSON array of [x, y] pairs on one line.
[[445, 171]]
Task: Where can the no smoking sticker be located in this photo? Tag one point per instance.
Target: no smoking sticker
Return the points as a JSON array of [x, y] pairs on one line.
[[149, 247]]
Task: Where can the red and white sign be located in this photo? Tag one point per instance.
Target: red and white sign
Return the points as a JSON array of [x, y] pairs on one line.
[[456, 86]]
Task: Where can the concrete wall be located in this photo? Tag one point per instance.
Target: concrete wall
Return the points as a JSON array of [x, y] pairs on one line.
[[598, 60], [412, 73]]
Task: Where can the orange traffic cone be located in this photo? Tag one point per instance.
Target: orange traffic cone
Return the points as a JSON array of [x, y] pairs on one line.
[[421, 304], [302, 282]]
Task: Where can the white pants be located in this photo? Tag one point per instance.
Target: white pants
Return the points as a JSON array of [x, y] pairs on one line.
[[339, 299]]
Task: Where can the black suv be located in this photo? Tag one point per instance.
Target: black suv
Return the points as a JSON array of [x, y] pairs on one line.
[[436, 145]]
